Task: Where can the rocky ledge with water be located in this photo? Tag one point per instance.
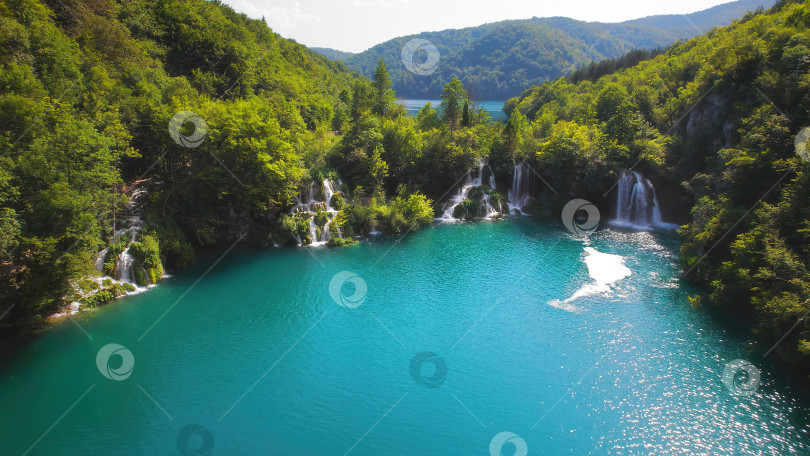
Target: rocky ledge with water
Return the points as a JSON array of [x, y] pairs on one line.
[[480, 197], [130, 264], [322, 215], [311, 219]]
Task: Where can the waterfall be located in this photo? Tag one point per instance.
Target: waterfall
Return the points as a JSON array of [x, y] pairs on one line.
[[328, 192], [100, 259], [308, 204], [313, 234], [637, 204], [325, 234], [518, 195], [125, 273], [473, 180], [134, 225]]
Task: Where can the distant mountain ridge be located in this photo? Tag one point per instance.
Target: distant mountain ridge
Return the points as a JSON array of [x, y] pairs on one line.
[[333, 54], [717, 15], [501, 59]]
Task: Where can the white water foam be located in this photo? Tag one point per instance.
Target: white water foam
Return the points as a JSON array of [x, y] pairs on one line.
[[605, 269]]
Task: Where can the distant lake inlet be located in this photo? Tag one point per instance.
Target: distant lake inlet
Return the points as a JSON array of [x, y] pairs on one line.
[[493, 108]]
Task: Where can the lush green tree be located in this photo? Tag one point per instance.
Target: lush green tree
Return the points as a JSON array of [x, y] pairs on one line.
[[428, 118], [466, 116], [383, 95], [453, 98], [377, 170]]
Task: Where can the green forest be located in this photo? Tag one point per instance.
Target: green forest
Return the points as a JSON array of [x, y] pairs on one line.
[[715, 118], [501, 59], [89, 89]]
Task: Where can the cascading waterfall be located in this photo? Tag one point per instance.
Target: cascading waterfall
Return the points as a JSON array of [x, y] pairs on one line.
[[305, 199], [518, 195], [125, 272], [313, 234], [308, 203], [637, 205], [328, 192], [473, 180], [100, 259], [134, 225]]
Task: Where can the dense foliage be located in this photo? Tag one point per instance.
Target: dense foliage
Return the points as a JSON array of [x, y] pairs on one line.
[[714, 119], [87, 91], [499, 60], [333, 54]]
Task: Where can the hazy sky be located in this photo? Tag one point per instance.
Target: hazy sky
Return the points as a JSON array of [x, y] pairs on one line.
[[356, 25]]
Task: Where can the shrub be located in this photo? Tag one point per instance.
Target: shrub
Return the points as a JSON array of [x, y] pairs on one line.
[[147, 266], [410, 213], [340, 242]]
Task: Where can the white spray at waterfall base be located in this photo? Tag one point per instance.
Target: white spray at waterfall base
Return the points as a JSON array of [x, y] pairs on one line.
[[637, 204], [605, 269], [518, 195]]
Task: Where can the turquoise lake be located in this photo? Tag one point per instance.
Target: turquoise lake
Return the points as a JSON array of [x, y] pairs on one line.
[[493, 108], [257, 357]]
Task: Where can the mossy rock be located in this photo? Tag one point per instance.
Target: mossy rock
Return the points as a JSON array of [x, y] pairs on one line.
[[340, 242], [467, 210], [337, 201], [140, 275], [321, 218], [86, 286], [148, 276], [97, 299], [476, 193], [117, 290], [111, 258], [154, 274]]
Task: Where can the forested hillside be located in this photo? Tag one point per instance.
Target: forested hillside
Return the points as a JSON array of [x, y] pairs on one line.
[[87, 92], [499, 60], [715, 119], [332, 53], [220, 125]]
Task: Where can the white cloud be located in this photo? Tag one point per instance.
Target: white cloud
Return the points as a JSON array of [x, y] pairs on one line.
[[290, 15], [282, 18]]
